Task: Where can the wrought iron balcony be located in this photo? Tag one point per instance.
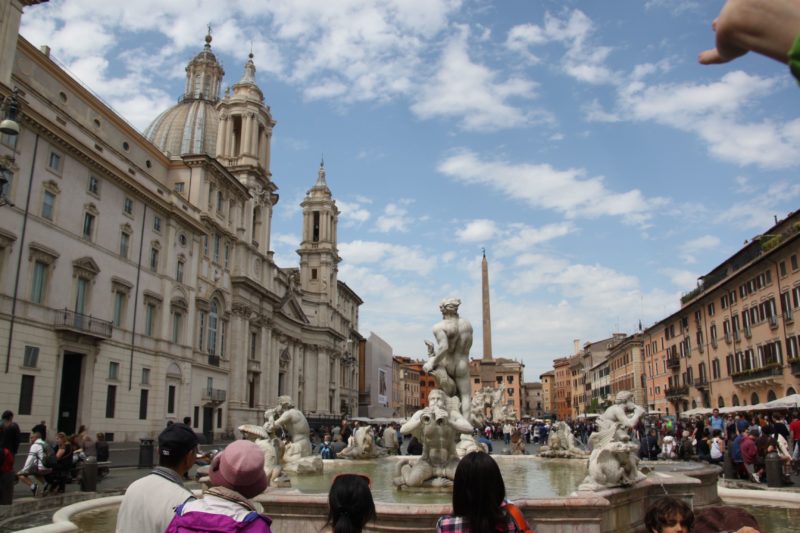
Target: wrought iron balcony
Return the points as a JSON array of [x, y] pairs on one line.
[[701, 382], [677, 392], [673, 362], [67, 320], [769, 372], [215, 396], [795, 367]]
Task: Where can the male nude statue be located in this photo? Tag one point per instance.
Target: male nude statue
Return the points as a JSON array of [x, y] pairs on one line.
[[437, 427], [449, 361], [614, 423], [294, 422]]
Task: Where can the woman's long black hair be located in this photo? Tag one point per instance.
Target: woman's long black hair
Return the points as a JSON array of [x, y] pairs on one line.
[[350, 504], [478, 492]]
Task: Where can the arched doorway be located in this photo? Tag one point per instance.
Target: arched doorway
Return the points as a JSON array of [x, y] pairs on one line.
[[790, 391], [735, 401], [720, 402], [754, 399]]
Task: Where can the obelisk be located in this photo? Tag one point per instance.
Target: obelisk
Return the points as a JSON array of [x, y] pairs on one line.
[[487, 317]]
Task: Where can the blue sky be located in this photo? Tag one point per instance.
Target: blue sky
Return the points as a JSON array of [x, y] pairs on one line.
[[580, 143]]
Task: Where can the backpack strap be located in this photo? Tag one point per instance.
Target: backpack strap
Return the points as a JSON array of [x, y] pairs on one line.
[[517, 516]]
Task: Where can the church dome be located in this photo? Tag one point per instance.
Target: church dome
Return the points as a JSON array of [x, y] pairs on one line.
[[187, 128], [191, 126]]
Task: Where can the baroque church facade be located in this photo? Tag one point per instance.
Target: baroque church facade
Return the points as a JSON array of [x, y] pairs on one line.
[[137, 284]]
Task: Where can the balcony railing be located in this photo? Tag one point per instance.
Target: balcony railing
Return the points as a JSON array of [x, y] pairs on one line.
[[728, 337], [213, 360], [677, 392], [673, 362], [701, 382], [748, 332], [795, 367], [773, 321], [771, 371], [67, 320], [214, 395], [714, 342]]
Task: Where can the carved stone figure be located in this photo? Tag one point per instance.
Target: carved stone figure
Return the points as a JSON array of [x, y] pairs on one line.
[[361, 445], [436, 427], [297, 456], [614, 460], [561, 443], [273, 452], [469, 443], [448, 361]]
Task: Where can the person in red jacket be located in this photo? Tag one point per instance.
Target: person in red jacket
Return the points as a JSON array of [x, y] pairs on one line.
[[750, 454], [794, 428]]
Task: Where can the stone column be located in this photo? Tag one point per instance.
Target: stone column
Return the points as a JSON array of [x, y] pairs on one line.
[[487, 318]]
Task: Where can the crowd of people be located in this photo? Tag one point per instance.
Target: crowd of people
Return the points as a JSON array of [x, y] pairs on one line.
[[49, 464]]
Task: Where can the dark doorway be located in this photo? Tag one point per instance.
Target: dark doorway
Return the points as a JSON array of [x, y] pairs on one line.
[[208, 422], [70, 392]]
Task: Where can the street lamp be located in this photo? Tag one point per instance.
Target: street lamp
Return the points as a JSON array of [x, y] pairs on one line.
[[9, 126]]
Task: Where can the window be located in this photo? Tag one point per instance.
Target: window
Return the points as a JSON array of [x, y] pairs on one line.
[[715, 369], [217, 242], [127, 206], [113, 370], [253, 344], [179, 187], [111, 400], [205, 245], [202, 329], [177, 326], [38, 282], [213, 321], [711, 309], [510, 379], [88, 226], [315, 234], [119, 308], [48, 205], [154, 259], [219, 417], [171, 399], [793, 261], [196, 416], [782, 267], [145, 376], [94, 186], [81, 295], [54, 162], [143, 404], [157, 224], [222, 326], [227, 255], [313, 273], [220, 201], [179, 271], [26, 395], [724, 301], [124, 243], [149, 318], [31, 357]]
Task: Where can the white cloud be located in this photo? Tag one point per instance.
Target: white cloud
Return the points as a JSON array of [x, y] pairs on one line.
[[393, 218], [472, 92], [583, 59], [717, 113], [524, 237], [480, 230], [683, 279], [700, 244], [757, 212], [389, 256], [352, 212], [543, 187]]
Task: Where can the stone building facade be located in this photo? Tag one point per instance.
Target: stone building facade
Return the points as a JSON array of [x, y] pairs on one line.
[[137, 284], [376, 395], [547, 379], [532, 400]]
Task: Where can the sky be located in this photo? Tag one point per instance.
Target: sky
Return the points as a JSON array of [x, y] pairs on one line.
[[579, 142]]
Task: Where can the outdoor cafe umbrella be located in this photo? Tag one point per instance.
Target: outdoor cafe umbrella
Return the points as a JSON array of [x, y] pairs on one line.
[[789, 402]]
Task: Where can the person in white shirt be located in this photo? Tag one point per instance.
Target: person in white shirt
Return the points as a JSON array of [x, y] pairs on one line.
[[149, 503], [34, 464]]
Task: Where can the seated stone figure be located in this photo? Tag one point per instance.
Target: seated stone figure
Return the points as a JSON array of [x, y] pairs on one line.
[[436, 426], [297, 455], [561, 443], [361, 445], [614, 461]]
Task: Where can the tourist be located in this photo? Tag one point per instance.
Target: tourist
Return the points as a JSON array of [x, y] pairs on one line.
[[41, 429], [767, 27], [338, 445], [57, 480], [10, 435], [704, 446], [390, 441], [669, 447], [750, 454], [326, 448], [414, 446], [717, 448], [716, 421], [794, 428], [35, 464], [101, 447], [350, 504], [669, 515], [648, 447], [479, 500], [236, 475], [149, 503], [685, 448], [507, 429]]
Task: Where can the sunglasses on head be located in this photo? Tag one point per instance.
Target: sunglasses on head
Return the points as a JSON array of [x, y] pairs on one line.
[[362, 476]]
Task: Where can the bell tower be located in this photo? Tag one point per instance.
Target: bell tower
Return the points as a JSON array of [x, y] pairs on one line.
[[319, 256]]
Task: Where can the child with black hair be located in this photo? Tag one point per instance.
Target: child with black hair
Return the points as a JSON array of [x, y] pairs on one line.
[[350, 504]]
